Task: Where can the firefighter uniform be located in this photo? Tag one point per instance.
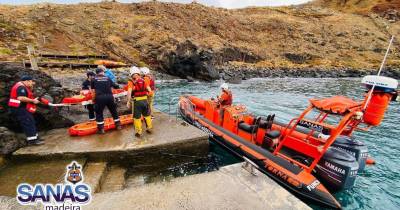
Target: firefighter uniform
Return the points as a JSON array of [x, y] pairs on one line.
[[140, 105], [23, 112], [102, 86], [86, 85]]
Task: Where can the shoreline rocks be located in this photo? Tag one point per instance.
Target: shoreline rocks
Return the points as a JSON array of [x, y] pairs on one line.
[[46, 118], [229, 73], [9, 142]]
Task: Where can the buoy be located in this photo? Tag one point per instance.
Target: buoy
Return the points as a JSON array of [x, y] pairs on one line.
[[370, 161]]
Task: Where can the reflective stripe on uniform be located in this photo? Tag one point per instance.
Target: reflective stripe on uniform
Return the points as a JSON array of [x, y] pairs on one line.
[[100, 123], [15, 101], [140, 98], [31, 138], [116, 120]]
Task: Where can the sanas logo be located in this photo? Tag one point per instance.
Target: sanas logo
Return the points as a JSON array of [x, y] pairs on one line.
[[72, 194]]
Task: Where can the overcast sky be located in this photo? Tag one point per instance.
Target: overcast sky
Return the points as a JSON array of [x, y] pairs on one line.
[[218, 3]]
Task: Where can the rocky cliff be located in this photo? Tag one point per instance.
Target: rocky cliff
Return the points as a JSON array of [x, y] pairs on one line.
[[46, 118], [191, 40]]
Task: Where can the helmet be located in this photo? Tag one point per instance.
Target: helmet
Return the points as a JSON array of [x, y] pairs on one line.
[[102, 67], [224, 86], [134, 70], [145, 70]]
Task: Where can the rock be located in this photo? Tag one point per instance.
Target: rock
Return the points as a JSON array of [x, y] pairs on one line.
[[45, 118], [341, 34], [235, 80], [299, 58], [9, 142], [190, 79], [189, 60], [2, 161]]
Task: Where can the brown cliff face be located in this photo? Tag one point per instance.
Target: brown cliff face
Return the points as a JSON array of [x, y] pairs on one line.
[[315, 35]]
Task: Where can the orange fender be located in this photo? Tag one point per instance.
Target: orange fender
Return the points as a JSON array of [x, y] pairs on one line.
[[370, 161]]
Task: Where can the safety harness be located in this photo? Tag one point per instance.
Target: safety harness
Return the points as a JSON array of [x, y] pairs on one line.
[[140, 90]]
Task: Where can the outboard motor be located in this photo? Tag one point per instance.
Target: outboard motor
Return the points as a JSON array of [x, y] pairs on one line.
[[337, 169], [354, 147]]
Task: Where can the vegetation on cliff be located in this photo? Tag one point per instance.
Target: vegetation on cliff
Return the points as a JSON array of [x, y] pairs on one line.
[[323, 34]]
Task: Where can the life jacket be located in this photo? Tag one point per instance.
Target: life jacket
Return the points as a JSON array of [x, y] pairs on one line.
[[227, 101], [14, 102], [140, 88], [150, 82]]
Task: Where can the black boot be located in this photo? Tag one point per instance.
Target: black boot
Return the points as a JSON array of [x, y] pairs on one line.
[[118, 125], [36, 142], [100, 129]]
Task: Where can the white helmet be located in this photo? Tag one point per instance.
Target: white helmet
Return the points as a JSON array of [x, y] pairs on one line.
[[145, 70], [134, 70], [224, 86]]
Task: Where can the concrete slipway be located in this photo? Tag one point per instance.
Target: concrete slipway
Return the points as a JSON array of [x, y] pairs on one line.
[[230, 187]]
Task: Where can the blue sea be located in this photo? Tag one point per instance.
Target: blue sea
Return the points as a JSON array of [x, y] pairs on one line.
[[378, 187]]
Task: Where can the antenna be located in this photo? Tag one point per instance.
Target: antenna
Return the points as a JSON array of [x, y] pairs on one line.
[[379, 73]]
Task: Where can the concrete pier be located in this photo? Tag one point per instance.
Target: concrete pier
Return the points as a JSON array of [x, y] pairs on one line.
[[231, 187], [169, 137]]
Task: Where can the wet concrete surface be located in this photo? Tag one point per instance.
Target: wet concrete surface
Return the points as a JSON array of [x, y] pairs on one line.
[[169, 135], [94, 175], [231, 187], [114, 179]]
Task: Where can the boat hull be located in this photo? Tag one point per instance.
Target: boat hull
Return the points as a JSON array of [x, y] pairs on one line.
[[293, 178]]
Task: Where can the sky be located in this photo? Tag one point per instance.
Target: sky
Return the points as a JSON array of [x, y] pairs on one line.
[[230, 4]]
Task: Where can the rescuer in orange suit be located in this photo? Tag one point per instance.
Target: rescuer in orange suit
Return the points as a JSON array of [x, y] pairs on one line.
[[137, 99], [225, 99], [149, 80]]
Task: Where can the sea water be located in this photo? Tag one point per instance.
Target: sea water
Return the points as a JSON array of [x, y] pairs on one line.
[[378, 187]]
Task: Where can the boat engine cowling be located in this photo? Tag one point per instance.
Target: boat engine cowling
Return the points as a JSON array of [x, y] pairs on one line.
[[337, 169], [384, 91], [354, 147]]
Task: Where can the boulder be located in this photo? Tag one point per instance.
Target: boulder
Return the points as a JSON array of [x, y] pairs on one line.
[[45, 117], [188, 60], [9, 141]]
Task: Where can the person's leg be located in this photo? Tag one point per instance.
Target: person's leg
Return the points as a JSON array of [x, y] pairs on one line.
[[113, 110], [99, 108], [90, 109], [150, 100], [147, 117], [28, 124], [137, 115]]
